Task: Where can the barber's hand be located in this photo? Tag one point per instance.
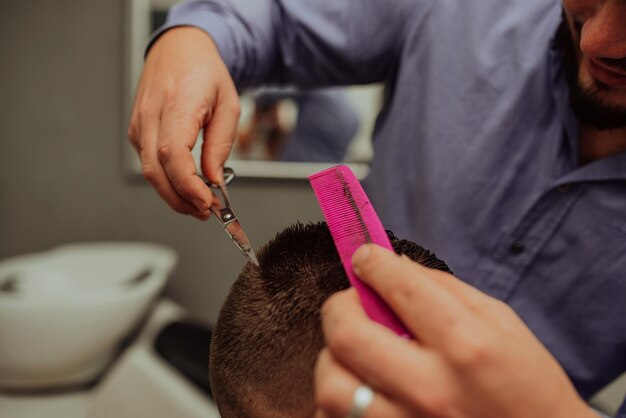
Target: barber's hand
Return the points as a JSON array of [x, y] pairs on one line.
[[184, 87], [472, 358]]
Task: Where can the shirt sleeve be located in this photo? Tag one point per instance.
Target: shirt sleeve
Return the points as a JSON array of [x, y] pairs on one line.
[[304, 43]]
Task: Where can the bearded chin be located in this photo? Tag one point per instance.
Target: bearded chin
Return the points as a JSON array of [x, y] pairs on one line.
[[592, 110], [588, 102]]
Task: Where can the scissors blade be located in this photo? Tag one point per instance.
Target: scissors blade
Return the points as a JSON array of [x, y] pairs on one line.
[[237, 234], [228, 219]]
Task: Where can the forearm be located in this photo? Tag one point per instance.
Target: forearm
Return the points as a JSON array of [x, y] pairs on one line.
[[307, 44]]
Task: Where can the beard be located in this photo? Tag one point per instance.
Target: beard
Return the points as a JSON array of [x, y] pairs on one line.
[[589, 103], [591, 108]]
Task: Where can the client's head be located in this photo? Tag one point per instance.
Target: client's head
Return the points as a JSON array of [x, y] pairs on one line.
[[268, 334]]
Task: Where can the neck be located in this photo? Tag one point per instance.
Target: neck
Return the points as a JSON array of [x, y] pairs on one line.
[[595, 144]]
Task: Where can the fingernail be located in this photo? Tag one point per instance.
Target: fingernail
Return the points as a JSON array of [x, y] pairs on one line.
[[360, 256], [202, 207]]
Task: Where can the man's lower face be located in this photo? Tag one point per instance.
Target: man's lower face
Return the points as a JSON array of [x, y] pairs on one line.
[[596, 102], [608, 83], [597, 87]]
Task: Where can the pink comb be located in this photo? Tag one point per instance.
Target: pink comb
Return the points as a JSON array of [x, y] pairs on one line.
[[353, 222]]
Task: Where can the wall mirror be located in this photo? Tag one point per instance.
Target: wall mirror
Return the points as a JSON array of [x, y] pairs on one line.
[[283, 132]]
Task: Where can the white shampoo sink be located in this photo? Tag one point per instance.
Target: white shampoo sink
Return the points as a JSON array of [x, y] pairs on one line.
[[63, 312]]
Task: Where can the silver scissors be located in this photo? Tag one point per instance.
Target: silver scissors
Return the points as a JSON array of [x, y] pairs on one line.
[[224, 213]]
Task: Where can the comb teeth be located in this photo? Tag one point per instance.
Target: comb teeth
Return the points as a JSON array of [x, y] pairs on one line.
[[339, 205], [353, 222]]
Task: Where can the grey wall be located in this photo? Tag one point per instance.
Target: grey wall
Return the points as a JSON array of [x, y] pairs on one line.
[[60, 154]]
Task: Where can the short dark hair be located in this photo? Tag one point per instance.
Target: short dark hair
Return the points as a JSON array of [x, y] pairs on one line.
[[268, 334]]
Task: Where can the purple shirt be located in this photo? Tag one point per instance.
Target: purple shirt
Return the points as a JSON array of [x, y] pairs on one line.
[[475, 150]]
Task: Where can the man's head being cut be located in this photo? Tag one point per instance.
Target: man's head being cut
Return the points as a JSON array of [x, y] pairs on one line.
[[269, 333]]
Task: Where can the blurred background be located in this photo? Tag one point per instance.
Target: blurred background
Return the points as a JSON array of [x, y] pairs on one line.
[[68, 176]]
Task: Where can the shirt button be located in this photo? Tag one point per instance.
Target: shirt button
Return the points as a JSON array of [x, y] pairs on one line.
[[563, 188], [517, 248]]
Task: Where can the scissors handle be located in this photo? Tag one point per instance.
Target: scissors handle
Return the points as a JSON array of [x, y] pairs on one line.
[[223, 211], [229, 175]]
